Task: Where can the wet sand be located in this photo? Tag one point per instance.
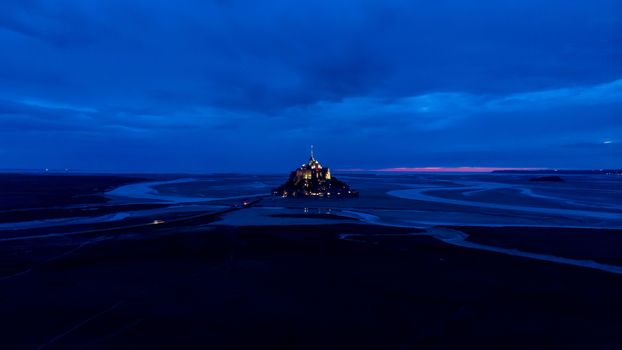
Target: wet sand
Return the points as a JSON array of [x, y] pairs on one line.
[[299, 287], [376, 272], [601, 245]]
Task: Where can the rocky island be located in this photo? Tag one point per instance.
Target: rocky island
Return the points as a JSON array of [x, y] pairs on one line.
[[311, 179]]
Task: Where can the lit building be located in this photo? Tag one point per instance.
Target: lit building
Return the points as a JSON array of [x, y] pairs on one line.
[[311, 179]]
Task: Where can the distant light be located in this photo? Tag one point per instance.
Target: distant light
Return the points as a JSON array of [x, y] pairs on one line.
[[607, 142], [463, 169]]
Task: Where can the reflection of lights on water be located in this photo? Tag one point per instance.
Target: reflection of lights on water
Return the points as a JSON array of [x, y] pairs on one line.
[[607, 142], [319, 210]]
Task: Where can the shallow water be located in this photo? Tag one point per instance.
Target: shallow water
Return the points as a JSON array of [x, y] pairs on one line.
[[411, 200], [439, 199]]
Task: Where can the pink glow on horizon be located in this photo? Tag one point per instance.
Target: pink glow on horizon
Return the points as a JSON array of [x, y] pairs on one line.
[[463, 169]]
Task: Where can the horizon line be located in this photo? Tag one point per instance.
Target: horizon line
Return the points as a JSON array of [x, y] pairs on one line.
[[429, 169], [460, 169]]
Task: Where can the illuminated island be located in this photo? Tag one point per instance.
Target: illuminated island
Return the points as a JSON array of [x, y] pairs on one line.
[[311, 179]]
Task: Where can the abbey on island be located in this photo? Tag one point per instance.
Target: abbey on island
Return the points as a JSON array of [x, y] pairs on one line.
[[311, 179]]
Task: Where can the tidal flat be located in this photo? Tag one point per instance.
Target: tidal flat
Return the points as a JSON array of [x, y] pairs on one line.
[[425, 261]]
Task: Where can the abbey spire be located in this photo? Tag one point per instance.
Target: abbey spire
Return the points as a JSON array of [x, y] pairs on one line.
[[312, 179]]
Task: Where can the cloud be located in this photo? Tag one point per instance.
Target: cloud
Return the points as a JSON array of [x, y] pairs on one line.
[[29, 114], [238, 55], [582, 95], [394, 81], [436, 111]]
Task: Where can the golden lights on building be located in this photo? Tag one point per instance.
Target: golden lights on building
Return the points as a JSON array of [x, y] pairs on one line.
[[312, 179]]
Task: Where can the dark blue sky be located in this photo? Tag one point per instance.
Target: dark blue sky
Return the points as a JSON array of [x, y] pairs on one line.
[[231, 85]]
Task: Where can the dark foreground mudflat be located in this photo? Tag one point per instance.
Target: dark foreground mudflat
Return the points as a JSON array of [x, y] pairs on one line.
[[295, 287], [601, 245]]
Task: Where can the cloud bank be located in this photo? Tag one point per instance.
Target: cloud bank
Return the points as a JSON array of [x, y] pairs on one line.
[[240, 86]]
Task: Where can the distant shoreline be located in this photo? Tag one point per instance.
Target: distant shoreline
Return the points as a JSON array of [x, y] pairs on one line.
[[389, 171], [563, 172]]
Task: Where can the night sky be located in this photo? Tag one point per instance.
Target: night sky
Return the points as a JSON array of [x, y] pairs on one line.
[[218, 86]]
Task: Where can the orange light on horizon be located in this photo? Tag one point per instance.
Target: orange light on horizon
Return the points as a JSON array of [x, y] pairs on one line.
[[463, 169]]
